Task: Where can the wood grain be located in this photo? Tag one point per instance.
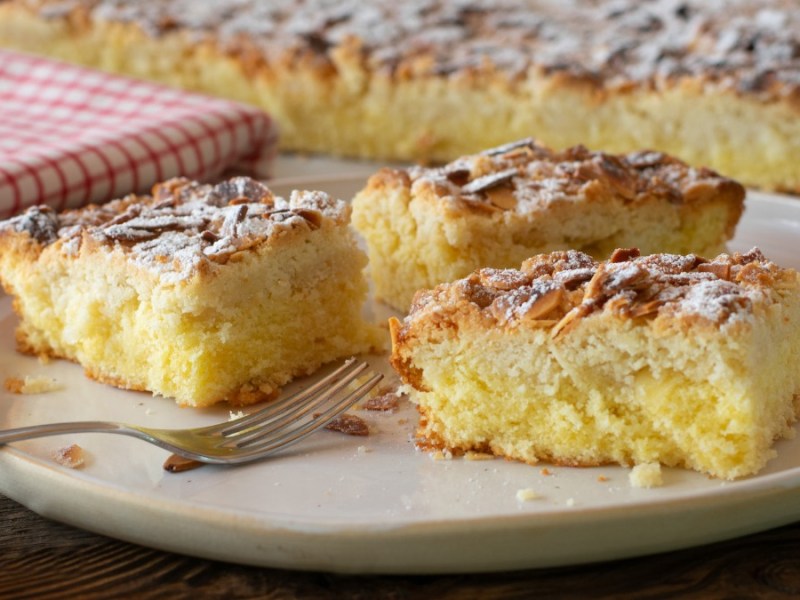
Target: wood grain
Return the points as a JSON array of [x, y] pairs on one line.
[[43, 559]]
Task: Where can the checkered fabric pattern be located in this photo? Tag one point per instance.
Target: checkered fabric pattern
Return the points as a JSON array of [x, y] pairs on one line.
[[70, 136]]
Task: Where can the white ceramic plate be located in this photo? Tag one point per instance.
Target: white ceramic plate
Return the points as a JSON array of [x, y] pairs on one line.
[[375, 504]]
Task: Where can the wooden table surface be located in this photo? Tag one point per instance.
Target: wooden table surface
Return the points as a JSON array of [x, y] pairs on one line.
[[40, 558]]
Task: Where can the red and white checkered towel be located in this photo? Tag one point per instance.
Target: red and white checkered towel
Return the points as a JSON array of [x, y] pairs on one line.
[[70, 136]]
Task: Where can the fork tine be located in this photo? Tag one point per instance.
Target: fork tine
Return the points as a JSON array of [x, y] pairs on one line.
[[260, 427], [349, 370], [290, 435]]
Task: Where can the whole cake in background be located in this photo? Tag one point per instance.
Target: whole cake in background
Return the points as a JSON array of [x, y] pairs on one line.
[[714, 83], [664, 358], [425, 226], [200, 293]]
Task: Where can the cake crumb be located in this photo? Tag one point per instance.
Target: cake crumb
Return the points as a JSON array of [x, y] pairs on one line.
[[71, 456], [527, 494], [646, 475], [545, 471], [348, 424], [602, 478], [472, 455], [32, 385], [442, 455], [363, 450], [388, 401], [235, 414]]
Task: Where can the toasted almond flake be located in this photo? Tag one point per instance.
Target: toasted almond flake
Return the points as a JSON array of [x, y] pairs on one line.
[[502, 197], [178, 464], [721, 270], [348, 424], [384, 402], [624, 254]]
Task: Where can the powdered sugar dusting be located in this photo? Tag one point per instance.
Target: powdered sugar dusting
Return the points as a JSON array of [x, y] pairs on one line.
[[749, 45], [714, 300], [564, 287], [184, 226], [536, 177]]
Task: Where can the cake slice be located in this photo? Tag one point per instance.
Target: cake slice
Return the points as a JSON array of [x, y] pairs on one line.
[[495, 209], [201, 293], [667, 359], [715, 83]]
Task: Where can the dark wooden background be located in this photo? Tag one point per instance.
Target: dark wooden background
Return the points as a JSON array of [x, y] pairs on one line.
[[43, 559]]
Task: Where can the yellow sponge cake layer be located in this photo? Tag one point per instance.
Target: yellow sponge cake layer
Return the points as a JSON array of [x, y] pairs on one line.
[[201, 293], [495, 209], [657, 359]]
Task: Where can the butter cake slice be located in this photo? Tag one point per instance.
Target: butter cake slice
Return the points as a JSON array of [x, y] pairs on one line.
[[670, 359], [201, 293], [425, 226]]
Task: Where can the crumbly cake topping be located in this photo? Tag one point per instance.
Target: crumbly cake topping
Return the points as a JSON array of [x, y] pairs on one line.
[[751, 46], [184, 226], [524, 176], [557, 290]]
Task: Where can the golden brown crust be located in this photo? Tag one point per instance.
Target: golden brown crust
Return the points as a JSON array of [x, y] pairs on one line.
[[182, 229], [605, 45], [525, 176]]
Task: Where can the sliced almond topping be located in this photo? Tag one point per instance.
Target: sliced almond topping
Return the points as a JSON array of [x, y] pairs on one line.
[[647, 308], [502, 197], [487, 182], [458, 176], [623, 254], [721, 270], [545, 304], [479, 205], [523, 143], [571, 318]]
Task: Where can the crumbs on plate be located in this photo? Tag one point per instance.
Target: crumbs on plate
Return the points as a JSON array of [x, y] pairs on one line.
[[646, 475], [348, 424], [72, 456], [32, 385], [527, 494]]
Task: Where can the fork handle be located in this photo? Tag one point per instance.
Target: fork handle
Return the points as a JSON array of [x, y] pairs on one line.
[[35, 431]]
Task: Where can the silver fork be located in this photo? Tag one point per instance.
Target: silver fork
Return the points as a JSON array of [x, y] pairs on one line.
[[246, 439]]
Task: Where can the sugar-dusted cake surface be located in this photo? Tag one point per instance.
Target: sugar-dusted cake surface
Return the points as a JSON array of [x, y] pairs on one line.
[[670, 359], [424, 226], [716, 84], [201, 293]]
